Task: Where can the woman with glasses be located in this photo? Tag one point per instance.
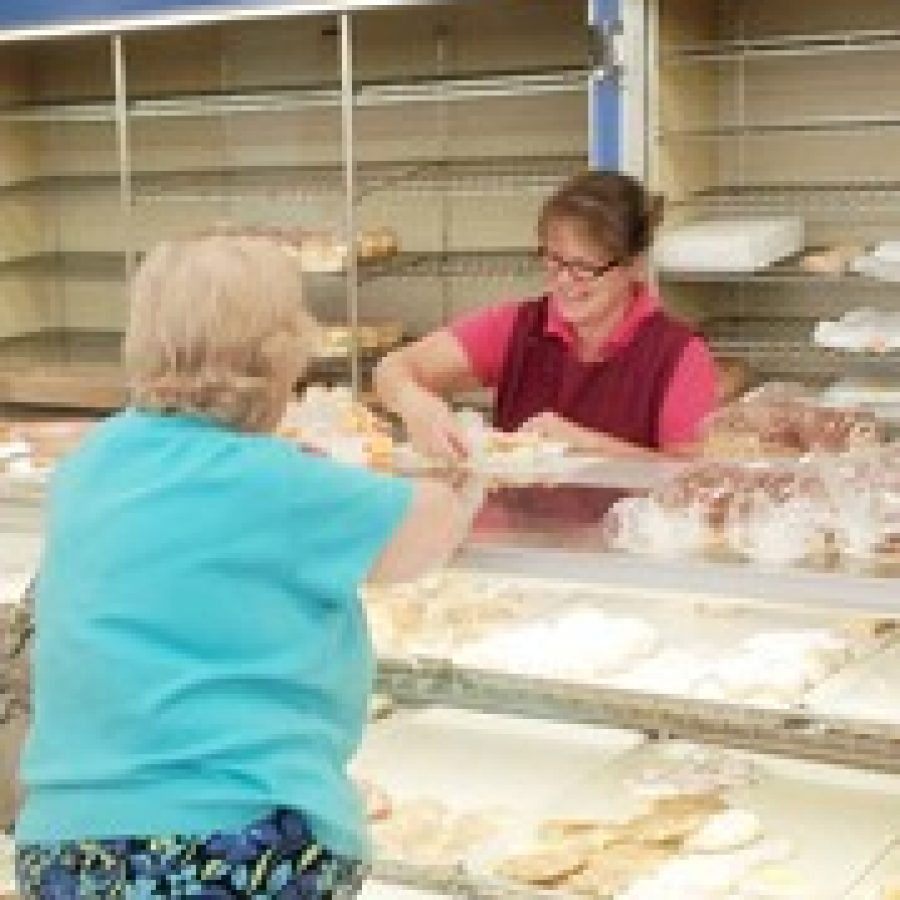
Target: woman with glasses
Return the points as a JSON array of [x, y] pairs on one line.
[[594, 361]]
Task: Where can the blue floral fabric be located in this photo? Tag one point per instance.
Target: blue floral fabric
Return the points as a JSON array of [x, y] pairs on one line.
[[275, 857]]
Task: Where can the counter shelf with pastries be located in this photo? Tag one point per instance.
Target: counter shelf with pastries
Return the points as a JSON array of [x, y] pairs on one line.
[[801, 733], [799, 849], [777, 678], [505, 771]]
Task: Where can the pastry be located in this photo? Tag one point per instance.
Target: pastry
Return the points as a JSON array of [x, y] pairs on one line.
[[582, 643], [831, 261], [706, 803], [724, 832], [368, 246], [426, 832], [690, 878], [864, 630], [321, 252], [664, 830], [386, 241], [611, 870], [588, 829], [546, 867]]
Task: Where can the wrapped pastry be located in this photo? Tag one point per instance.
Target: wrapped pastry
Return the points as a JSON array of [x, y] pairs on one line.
[[645, 525], [331, 421], [776, 533], [785, 421]]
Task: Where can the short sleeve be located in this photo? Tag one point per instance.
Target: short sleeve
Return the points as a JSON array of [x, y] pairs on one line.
[[690, 398], [484, 336], [344, 516]]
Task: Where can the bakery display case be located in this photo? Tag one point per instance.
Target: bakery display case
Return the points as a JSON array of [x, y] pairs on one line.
[[574, 722], [561, 716]]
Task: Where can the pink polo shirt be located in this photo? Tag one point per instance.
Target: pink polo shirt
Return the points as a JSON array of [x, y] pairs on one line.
[[485, 335]]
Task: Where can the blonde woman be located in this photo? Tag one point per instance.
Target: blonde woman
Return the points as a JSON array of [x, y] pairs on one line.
[[202, 665]]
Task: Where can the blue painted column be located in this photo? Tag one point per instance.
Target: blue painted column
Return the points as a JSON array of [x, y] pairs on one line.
[[606, 98]]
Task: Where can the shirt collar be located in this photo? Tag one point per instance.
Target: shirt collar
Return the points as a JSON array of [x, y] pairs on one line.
[[644, 304]]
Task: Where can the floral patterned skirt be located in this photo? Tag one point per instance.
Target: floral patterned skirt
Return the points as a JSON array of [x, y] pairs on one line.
[[274, 857]]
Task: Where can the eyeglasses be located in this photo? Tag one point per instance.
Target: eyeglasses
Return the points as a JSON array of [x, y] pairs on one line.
[[576, 269]]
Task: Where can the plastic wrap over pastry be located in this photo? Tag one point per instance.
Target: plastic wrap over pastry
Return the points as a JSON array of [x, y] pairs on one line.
[[864, 497], [717, 488], [785, 420], [776, 532], [647, 525], [822, 509], [331, 421]]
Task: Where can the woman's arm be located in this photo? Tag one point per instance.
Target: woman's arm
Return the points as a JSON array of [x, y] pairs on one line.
[[412, 383], [437, 522], [691, 396]]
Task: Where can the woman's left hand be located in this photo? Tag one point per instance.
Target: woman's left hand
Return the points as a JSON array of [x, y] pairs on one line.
[[555, 428]]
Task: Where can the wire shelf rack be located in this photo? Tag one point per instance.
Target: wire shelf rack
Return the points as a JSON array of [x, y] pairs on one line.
[[786, 45], [834, 199], [284, 100]]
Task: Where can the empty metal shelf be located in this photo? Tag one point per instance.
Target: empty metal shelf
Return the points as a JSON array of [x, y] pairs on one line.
[[786, 271], [475, 177], [475, 88], [81, 263], [292, 183], [836, 198], [786, 345], [785, 45], [57, 346], [459, 264], [280, 100], [811, 126]]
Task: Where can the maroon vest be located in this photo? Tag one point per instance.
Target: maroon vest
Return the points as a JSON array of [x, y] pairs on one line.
[[621, 395]]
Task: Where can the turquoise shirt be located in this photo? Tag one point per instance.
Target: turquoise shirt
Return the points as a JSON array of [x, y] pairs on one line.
[[201, 652]]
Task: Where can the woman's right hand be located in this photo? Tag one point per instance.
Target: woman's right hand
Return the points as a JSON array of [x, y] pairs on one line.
[[411, 381], [432, 428]]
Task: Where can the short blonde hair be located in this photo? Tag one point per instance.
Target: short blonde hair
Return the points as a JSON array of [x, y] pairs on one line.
[[218, 329]]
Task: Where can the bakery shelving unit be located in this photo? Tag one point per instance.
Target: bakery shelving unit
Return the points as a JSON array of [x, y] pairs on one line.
[[325, 121], [785, 348], [764, 110], [481, 161], [55, 297]]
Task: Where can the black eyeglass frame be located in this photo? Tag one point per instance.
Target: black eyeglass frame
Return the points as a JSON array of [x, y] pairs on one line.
[[580, 271]]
